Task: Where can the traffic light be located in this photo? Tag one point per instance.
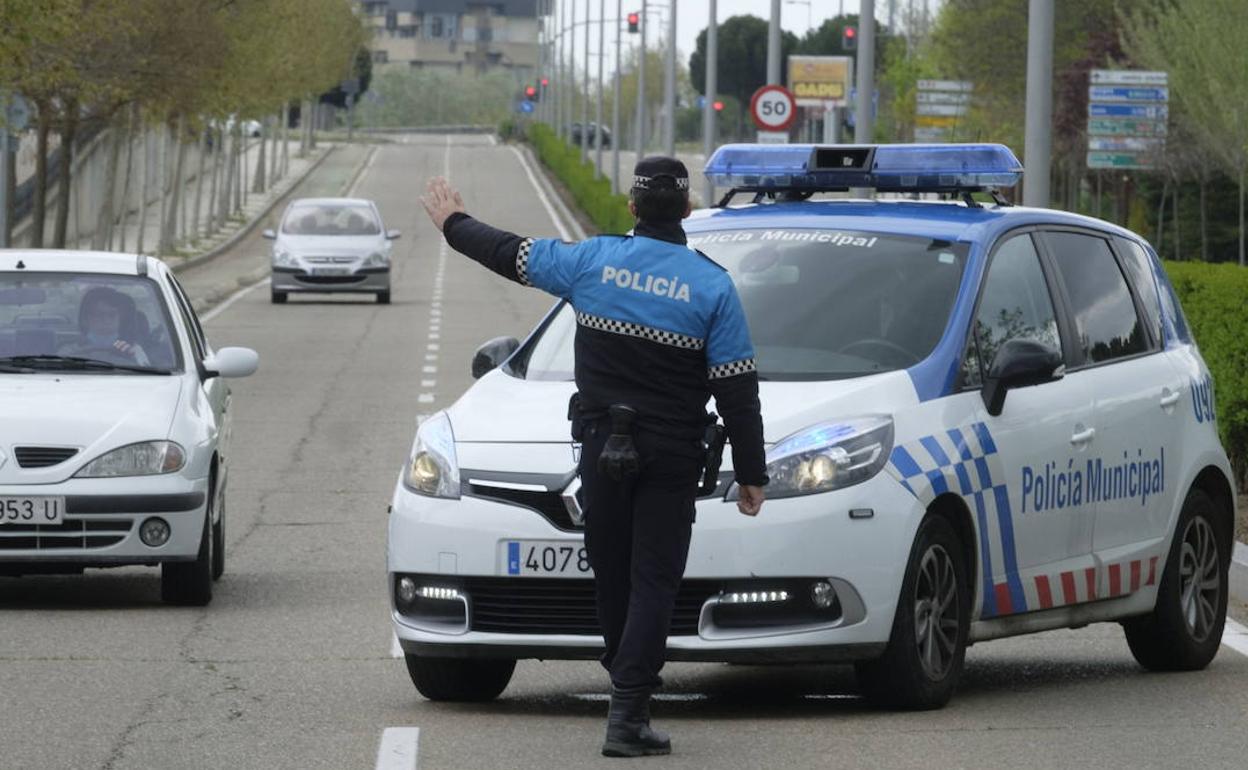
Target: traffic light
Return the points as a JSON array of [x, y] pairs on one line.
[[530, 93], [545, 82], [634, 22], [849, 39], [717, 105]]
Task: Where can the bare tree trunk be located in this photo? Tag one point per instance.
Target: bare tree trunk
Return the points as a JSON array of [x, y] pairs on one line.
[[217, 151], [273, 173], [1204, 225], [1178, 248], [199, 184], [39, 213], [162, 217], [285, 138], [240, 151], [144, 189], [184, 198], [10, 189], [244, 167], [125, 185], [104, 219], [1161, 214], [1241, 216], [228, 172], [305, 118], [68, 134]]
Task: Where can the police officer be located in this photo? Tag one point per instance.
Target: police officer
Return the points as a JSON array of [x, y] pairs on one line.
[[660, 330]]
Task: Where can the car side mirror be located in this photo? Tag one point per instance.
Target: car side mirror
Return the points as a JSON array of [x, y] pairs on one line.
[[1020, 363], [393, 235], [232, 362], [270, 234], [492, 354]]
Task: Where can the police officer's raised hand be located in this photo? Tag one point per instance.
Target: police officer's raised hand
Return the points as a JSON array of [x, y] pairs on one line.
[[440, 201], [750, 500]]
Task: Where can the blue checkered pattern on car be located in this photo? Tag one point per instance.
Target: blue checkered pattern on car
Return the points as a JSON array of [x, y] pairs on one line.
[[965, 461]]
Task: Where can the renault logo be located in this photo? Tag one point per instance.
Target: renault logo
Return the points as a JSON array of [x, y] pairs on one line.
[[572, 502]]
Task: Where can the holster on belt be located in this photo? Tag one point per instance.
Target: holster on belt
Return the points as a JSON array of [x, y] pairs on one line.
[[713, 441], [619, 458]]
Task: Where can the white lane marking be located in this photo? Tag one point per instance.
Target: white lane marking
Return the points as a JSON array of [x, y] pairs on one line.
[[368, 166], [1235, 636], [430, 357], [428, 383], [541, 196], [396, 649], [235, 297], [400, 748], [429, 369], [435, 336], [433, 346], [493, 140], [425, 398]]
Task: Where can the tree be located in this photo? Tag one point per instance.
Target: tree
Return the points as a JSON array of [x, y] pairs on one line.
[[1200, 45], [362, 71], [742, 54]]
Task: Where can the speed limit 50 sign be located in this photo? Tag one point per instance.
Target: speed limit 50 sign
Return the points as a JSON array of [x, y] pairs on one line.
[[773, 108]]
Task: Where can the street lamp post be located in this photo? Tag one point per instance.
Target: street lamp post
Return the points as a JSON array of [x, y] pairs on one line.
[[773, 44], [1038, 139], [602, 28], [641, 89], [708, 109], [669, 87], [615, 102]]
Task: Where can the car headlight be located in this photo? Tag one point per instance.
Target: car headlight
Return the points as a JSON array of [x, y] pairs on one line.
[[377, 259], [149, 458], [283, 258], [433, 469], [828, 456]]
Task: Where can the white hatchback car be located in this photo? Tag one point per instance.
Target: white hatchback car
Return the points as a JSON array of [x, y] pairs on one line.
[[115, 421], [982, 421]]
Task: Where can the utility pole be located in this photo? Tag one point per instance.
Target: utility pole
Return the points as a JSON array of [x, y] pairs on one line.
[[669, 87], [615, 102], [585, 96], [773, 45], [708, 109], [572, 65], [641, 89], [559, 68], [602, 54], [864, 120], [1038, 140]]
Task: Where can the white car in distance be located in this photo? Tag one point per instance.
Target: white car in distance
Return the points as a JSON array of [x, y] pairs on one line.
[[116, 421]]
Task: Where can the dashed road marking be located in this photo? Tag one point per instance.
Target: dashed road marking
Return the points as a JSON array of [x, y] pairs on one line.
[[1235, 636], [400, 748], [230, 300], [425, 398]]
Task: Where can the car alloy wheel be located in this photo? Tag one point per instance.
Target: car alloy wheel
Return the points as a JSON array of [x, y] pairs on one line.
[[936, 612], [1199, 578]]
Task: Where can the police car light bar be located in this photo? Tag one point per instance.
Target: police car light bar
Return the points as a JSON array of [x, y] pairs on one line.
[[885, 167]]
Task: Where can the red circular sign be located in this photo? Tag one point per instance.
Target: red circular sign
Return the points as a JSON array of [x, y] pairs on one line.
[[773, 108]]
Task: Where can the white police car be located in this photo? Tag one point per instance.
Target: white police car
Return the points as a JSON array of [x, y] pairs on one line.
[[113, 421], [982, 421]]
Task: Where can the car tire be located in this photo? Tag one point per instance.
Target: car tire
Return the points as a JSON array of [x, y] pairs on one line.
[[1184, 630], [383, 297], [922, 663], [460, 679], [189, 583], [278, 297]]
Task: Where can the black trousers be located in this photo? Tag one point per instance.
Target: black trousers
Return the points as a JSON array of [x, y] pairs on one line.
[[637, 536]]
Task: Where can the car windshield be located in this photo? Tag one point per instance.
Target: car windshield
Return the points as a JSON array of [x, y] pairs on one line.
[[89, 323], [821, 304], [331, 219]]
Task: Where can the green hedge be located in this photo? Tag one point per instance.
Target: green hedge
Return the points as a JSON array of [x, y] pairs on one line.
[[1215, 301], [608, 210]]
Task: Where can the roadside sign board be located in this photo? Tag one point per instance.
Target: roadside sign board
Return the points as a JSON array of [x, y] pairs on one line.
[[16, 112], [821, 81], [773, 108], [773, 137], [1127, 114], [939, 105]]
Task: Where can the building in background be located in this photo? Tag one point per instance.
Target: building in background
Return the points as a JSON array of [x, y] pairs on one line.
[[461, 35]]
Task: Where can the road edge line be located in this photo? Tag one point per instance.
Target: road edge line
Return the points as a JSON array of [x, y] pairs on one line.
[[565, 232], [399, 749]]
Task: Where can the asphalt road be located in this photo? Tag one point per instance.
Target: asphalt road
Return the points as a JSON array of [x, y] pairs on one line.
[[291, 666]]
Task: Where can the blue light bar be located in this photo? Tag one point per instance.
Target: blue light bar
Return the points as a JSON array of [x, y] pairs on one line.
[[885, 167]]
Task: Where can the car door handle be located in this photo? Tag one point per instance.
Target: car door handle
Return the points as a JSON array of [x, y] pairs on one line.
[[1169, 398], [1082, 436]]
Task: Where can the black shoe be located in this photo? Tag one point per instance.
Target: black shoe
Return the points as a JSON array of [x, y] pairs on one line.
[[628, 726]]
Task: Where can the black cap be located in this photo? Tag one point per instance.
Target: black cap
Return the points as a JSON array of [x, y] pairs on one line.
[[659, 172]]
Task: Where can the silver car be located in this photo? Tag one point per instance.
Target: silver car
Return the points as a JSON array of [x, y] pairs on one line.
[[331, 245]]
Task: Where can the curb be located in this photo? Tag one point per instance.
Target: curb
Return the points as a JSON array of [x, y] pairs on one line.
[[250, 227], [1239, 572]]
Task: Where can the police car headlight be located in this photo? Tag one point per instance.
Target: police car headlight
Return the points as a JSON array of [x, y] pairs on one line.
[[433, 469], [377, 259], [283, 258], [828, 456], [149, 458]]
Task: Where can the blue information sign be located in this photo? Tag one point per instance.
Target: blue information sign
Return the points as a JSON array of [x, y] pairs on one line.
[[1128, 94], [1128, 110]]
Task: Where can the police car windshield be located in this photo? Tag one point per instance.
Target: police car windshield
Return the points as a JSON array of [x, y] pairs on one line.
[[821, 304]]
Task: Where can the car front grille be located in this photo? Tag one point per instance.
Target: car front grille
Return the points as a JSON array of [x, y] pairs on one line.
[[559, 606], [330, 279], [549, 504], [42, 456], [329, 260], [74, 533]]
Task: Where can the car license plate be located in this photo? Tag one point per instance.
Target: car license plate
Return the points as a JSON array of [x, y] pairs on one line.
[[31, 510], [547, 558], [331, 271]]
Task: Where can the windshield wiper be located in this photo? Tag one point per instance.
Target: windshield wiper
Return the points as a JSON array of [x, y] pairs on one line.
[[78, 362]]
